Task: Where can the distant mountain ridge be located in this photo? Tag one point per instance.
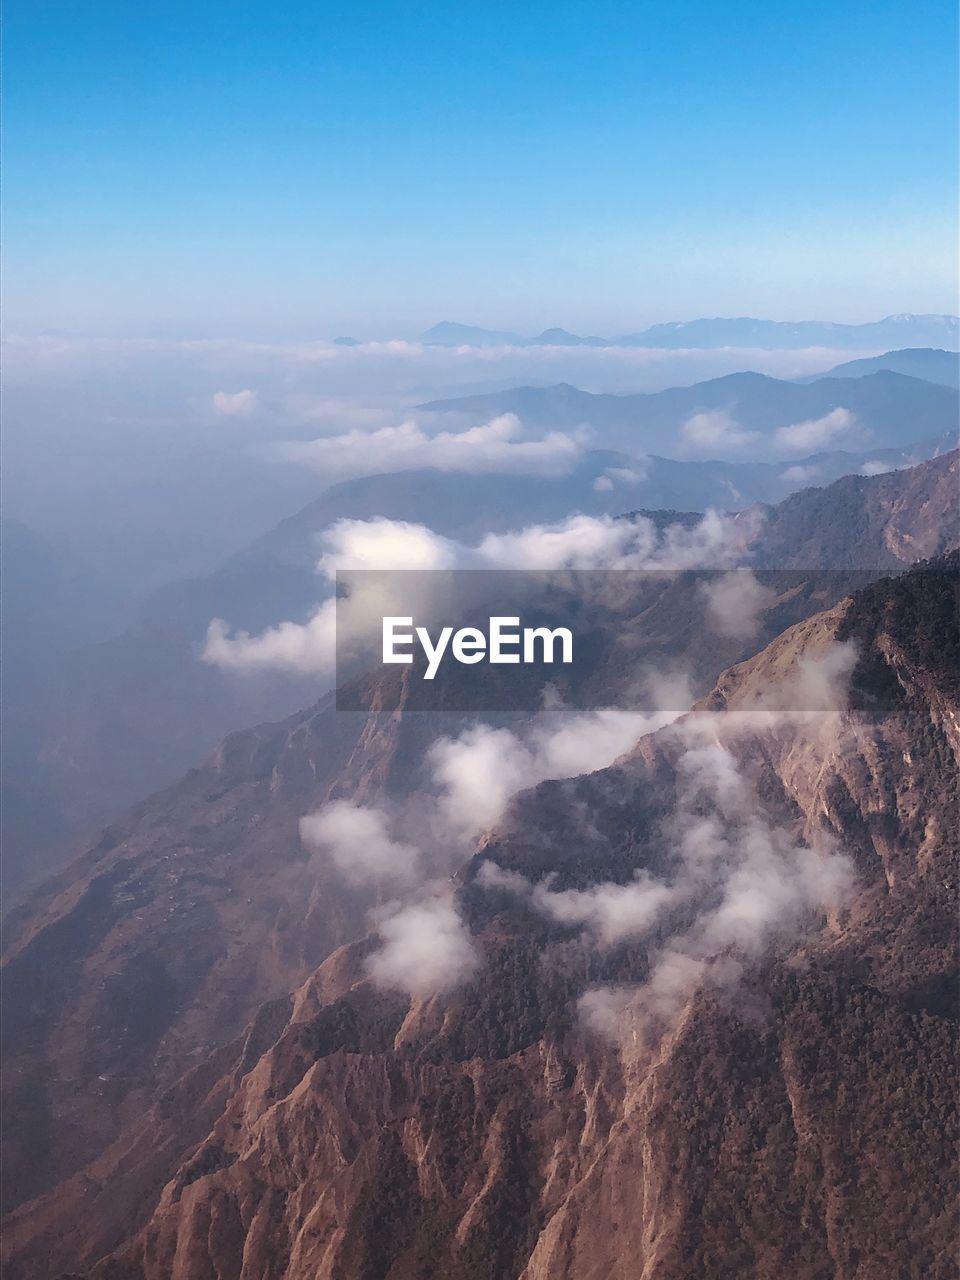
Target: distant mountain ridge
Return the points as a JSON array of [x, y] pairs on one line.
[[903, 330], [887, 409], [929, 363]]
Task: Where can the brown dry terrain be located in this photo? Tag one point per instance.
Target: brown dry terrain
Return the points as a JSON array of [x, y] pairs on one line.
[[171, 1104]]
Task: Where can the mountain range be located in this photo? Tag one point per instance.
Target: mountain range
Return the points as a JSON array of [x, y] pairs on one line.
[[891, 331], [202, 1079], [800, 1123], [883, 409]]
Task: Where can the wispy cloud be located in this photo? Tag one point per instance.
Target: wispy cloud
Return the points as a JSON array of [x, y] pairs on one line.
[[425, 947], [735, 602], [875, 468], [356, 841], [818, 433], [716, 432], [496, 447], [477, 772], [800, 474]]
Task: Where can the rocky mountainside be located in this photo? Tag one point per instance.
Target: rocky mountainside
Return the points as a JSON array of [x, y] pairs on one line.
[[710, 1028], [157, 947], [204, 895], [865, 522]]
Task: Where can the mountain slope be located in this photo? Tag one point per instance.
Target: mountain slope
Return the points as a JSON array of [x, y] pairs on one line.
[[799, 1119], [201, 903], [52, 602]]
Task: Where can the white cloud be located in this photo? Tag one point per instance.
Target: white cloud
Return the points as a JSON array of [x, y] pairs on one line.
[[356, 841], [386, 544], [612, 912], [236, 404], [875, 468], [809, 691], [579, 542], [304, 648], [496, 447], [800, 474], [821, 682], [425, 947], [478, 772], [715, 429], [735, 603], [817, 433], [492, 876], [310, 647], [602, 542], [613, 477]]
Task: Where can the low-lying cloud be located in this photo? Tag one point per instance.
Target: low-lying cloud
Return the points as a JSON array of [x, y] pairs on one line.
[[800, 474], [735, 603], [478, 772], [355, 840], [619, 477], [425, 947], [611, 912], [578, 543], [497, 447], [875, 468], [818, 433], [716, 431]]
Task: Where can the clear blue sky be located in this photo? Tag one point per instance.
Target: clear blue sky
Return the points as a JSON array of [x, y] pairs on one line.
[[372, 167]]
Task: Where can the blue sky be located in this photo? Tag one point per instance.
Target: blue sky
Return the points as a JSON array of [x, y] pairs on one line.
[[317, 168]]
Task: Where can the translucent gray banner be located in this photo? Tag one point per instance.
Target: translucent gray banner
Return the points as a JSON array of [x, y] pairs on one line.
[[498, 640]]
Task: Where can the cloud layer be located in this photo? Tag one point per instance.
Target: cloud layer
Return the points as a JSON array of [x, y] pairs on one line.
[[497, 447]]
